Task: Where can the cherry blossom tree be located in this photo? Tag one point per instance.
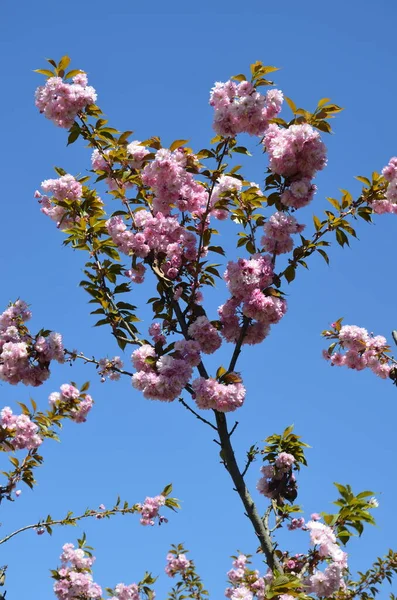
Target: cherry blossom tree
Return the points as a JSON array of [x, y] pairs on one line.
[[165, 210]]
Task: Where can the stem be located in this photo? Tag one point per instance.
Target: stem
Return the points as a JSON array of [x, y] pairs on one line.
[[93, 361], [230, 462], [5, 491], [231, 465], [69, 521], [204, 217], [189, 408], [239, 343]]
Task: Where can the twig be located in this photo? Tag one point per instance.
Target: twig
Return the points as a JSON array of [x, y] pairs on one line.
[[233, 429], [250, 460], [239, 343], [186, 405], [74, 355], [70, 520]]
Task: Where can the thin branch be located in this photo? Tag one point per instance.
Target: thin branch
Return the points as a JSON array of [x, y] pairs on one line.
[[250, 460], [204, 218], [233, 429], [230, 462], [70, 520], [74, 355], [261, 531], [186, 405], [239, 343]]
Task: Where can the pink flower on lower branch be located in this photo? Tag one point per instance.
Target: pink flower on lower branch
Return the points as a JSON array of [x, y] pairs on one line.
[[150, 509], [362, 350], [176, 564], [20, 431], [107, 368], [77, 404], [73, 579], [127, 592], [209, 393]]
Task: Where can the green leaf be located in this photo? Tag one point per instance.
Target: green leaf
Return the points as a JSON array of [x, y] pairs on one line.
[[323, 101], [177, 144], [124, 137], [241, 150], [324, 255], [365, 494], [45, 72], [167, 490], [73, 135], [291, 104], [341, 238], [290, 273], [73, 73], [334, 203], [60, 171], [63, 63], [363, 180], [317, 222], [239, 77]]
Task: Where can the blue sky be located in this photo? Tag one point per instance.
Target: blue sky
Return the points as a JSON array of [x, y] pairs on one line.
[[153, 66]]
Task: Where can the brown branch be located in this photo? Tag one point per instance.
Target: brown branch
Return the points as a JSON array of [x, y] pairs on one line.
[[231, 465], [189, 408], [261, 530], [74, 355]]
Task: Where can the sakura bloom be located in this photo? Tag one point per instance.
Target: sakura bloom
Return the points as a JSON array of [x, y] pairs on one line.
[[61, 102], [25, 358], [361, 350]]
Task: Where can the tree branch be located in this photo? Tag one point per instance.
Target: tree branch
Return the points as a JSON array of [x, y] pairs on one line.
[[189, 408], [232, 467]]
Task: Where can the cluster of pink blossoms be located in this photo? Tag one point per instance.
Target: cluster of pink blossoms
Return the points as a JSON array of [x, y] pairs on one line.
[[106, 368], [164, 377], [73, 579], [150, 510], [278, 479], [362, 350], [210, 393], [205, 334], [18, 431], [324, 584], [246, 280], [172, 184], [157, 234], [239, 108], [61, 189], [102, 161], [176, 564], [278, 230], [127, 592], [389, 204], [61, 102], [78, 403], [296, 153], [24, 358], [246, 583], [224, 185]]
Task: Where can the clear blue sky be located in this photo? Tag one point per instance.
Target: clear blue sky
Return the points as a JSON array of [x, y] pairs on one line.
[[153, 66]]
